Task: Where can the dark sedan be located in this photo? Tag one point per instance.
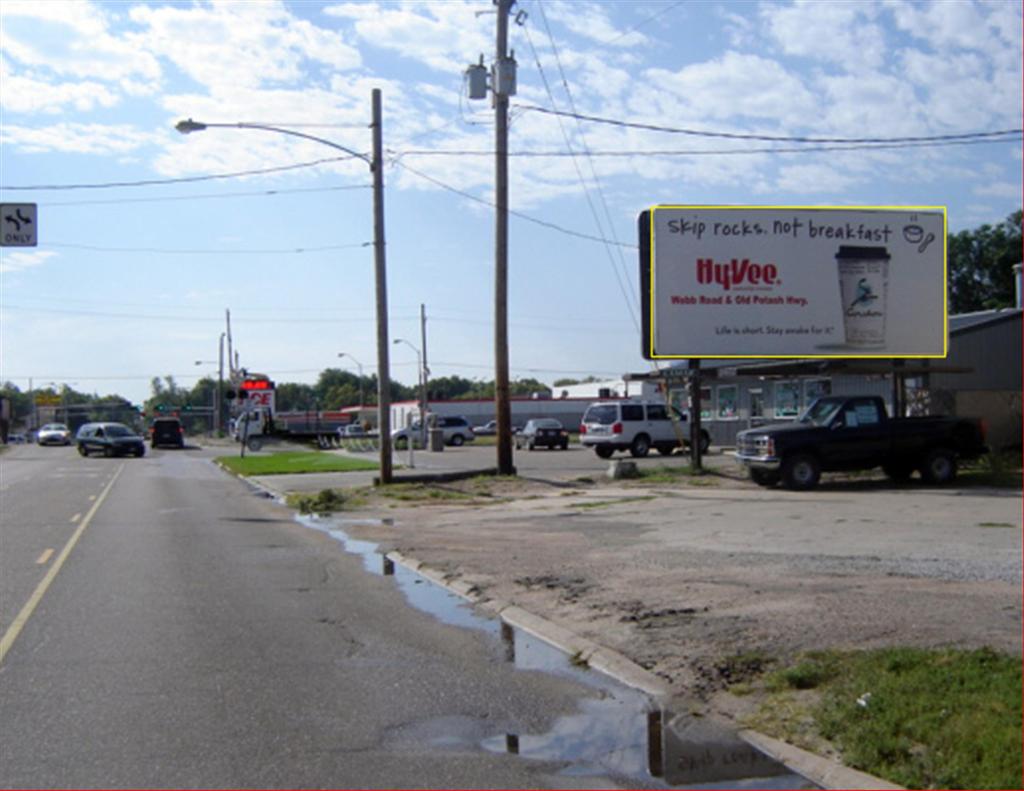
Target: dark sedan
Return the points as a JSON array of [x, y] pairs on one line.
[[110, 439], [545, 432]]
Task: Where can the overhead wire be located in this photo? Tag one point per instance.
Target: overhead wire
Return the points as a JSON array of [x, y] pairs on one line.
[[623, 279], [767, 138]]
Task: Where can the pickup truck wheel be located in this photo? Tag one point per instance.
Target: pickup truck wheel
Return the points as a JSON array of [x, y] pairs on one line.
[[254, 444], [82, 451], [641, 446], [801, 472], [603, 451], [705, 441], [939, 466], [764, 477]]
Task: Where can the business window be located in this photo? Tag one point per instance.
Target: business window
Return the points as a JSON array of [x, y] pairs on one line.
[[787, 399], [728, 396]]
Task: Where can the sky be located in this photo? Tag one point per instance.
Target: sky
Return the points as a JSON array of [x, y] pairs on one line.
[[147, 237]]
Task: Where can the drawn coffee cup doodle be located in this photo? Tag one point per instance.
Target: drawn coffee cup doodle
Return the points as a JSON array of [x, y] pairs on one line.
[[913, 233]]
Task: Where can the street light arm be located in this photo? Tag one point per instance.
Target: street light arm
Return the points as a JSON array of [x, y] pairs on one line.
[[189, 126]]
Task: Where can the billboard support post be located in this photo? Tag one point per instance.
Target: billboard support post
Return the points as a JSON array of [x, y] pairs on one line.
[[695, 410]]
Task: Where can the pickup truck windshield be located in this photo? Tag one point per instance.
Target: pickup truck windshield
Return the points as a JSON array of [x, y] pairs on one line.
[[821, 412]]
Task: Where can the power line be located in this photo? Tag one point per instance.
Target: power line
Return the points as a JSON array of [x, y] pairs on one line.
[[200, 251], [640, 24], [182, 180], [694, 152], [624, 282], [768, 138], [172, 198], [520, 215]]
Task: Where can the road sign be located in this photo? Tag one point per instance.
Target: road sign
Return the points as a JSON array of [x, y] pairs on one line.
[[790, 281], [18, 227]]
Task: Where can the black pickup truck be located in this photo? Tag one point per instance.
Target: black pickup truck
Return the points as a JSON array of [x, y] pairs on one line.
[[855, 433]]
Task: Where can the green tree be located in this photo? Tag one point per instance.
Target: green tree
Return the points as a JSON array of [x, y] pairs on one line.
[[980, 264]]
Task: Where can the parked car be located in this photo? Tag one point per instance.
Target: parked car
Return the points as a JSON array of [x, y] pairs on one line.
[[542, 432], [352, 430], [54, 434], [856, 433], [488, 429], [16, 439], [110, 439], [167, 431], [457, 431], [636, 426]]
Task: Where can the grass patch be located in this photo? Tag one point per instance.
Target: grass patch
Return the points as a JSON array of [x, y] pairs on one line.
[[425, 492], [325, 501], [1000, 470], [684, 474], [294, 462], [995, 524], [919, 718]]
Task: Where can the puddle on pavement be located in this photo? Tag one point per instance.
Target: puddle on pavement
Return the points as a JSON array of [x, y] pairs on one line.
[[621, 733]]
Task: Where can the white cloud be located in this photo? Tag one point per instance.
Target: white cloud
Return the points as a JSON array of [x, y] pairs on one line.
[[26, 93], [591, 21], [733, 86], [100, 139], [226, 44], [1002, 189], [445, 36], [72, 39], [20, 260], [813, 179], [840, 31]]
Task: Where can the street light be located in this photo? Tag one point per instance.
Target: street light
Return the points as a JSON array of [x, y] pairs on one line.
[[359, 365], [421, 378], [376, 164], [216, 394]]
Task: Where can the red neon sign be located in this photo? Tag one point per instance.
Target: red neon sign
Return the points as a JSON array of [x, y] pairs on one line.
[[257, 384]]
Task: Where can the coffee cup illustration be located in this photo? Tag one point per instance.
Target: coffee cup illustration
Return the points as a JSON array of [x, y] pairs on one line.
[[863, 288]]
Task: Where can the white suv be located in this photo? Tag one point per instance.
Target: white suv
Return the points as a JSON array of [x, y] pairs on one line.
[[636, 426], [457, 431]]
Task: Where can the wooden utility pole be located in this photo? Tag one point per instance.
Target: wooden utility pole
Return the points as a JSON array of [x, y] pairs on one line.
[[502, 407], [383, 364]]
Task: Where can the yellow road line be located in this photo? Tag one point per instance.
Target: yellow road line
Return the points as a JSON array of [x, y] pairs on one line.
[[26, 612], [44, 557]]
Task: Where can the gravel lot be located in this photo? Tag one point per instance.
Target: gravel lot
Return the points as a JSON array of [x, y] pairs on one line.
[[681, 576]]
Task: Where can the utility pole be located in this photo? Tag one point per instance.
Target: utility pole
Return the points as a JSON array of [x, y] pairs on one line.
[[231, 357], [426, 367], [502, 407], [380, 272]]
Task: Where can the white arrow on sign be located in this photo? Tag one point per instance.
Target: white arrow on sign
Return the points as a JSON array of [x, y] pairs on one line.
[[18, 227]]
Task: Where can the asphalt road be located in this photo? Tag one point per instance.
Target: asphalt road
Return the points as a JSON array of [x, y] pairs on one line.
[[165, 626]]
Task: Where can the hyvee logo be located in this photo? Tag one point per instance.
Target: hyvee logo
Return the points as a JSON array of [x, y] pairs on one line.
[[739, 273]]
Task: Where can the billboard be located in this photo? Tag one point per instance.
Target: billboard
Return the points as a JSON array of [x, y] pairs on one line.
[[790, 281]]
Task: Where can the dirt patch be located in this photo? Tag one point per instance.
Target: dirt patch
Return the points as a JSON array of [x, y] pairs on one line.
[[702, 586]]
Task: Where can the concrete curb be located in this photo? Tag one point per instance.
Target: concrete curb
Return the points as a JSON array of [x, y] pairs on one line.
[[821, 771]]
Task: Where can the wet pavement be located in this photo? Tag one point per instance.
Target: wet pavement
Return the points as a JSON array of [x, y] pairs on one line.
[[621, 732]]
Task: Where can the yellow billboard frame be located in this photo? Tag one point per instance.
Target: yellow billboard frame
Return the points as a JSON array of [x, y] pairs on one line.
[[786, 207]]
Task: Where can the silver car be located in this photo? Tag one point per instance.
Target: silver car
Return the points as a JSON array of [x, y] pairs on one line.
[[54, 434]]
